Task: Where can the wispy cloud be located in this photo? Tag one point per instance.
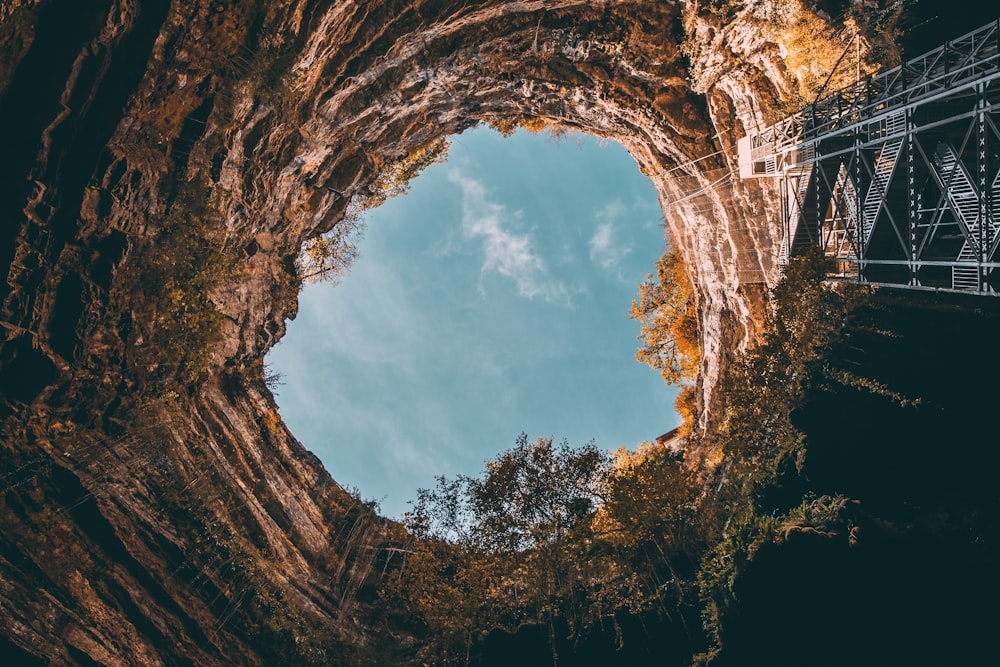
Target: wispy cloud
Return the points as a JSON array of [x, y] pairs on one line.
[[605, 249], [371, 371], [507, 253]]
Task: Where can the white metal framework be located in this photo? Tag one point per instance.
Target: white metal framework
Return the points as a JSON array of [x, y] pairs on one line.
[[898, 177]]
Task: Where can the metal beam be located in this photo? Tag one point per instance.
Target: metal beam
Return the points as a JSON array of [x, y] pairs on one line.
[[897, 178]]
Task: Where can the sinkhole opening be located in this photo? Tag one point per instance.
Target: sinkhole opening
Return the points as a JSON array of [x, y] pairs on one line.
[[489, 300]]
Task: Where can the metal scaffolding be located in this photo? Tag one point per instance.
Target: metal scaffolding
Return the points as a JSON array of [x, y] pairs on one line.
[[897, 178]]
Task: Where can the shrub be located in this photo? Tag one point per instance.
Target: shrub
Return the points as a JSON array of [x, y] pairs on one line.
[[185, 262]]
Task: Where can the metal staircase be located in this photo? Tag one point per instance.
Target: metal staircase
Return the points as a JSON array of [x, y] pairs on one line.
[[957, 184], [995, 205], [963, 200], [851, 202], [884, 165], [896, 178], [843, 235], [796, 205]]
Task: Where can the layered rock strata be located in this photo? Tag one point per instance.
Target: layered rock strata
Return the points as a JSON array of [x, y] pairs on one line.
[[164, 161]]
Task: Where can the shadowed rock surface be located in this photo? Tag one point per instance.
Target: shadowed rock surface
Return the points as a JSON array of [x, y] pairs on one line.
[[163, 162]]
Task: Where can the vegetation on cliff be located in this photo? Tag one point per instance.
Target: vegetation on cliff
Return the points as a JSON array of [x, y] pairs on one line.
[[571, 538], [394, 179], [576, 543], [845, 521], [550, 535], [820, 55], [179, 274], [329, 256]]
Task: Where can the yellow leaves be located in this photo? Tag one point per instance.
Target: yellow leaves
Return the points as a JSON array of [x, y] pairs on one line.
[[508, 125], [686, 405], [863, 383], [330, 256], [812, 48], [505, 126], [625, 459], [395, 179], [271, 421], [648, 498], [534, 125], [553, 532]]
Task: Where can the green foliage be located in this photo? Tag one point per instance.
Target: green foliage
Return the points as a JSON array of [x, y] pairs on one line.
[[721, 564], [547, 532], [258, 375], [187, 260], [761, 446], [824, 514], [649, 495], [534, 494], [761, 390], [851, 379], [551, 534]]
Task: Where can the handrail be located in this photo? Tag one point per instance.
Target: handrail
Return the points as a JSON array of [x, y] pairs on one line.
[[963, 60]]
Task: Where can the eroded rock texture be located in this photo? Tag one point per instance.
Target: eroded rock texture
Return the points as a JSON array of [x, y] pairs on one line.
[[163, 161]]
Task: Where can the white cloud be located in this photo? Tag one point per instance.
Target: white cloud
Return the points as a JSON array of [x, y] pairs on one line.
[[612, 211], [605, 250], [359, 323], [507, 253]]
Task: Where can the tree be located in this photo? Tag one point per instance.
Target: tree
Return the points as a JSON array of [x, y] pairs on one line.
[[650, 512], [394, 179], [534, 493], [549, 535], [650, 494], [330, 256], [667, 310], [510, 546], [508, 125]]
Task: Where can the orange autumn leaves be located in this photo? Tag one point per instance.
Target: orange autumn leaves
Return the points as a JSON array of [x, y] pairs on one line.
[[667, 309]]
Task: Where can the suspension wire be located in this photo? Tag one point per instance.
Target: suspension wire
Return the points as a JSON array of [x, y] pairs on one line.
[[691, 162], [702, 191]]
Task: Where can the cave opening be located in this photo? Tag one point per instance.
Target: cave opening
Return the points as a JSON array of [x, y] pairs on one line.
[[490, 299]]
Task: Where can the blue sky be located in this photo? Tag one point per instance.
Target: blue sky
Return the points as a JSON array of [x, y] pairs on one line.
[[491, 299]]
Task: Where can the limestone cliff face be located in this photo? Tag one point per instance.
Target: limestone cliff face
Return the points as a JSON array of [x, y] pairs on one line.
[[163, 162]]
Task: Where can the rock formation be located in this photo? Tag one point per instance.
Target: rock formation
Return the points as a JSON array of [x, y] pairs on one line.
[[163, 162]]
